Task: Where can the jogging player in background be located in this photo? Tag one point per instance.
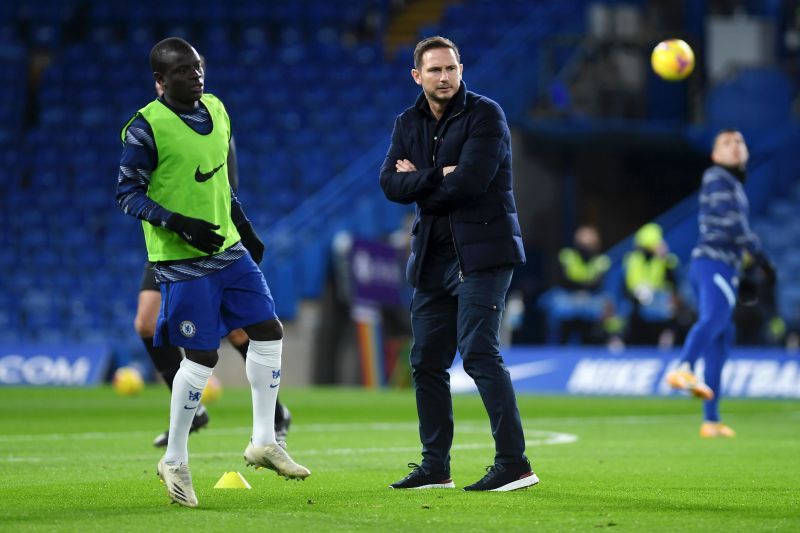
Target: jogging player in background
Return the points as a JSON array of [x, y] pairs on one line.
[[167, 359], [173, 176], [715, 271]]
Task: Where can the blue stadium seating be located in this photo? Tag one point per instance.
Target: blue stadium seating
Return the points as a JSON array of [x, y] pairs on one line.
[[311, 113], [72, 261]]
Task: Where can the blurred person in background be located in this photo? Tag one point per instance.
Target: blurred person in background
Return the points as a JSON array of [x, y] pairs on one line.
[[173, 177], [651, 288], [756, 314], [582, 309], [166, 358], [451, 155], [715, 272]]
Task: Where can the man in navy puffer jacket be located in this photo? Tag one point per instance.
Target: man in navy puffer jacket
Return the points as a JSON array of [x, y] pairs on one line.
[[451, 155]]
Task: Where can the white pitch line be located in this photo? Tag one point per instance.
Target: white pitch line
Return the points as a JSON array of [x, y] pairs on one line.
[[471, 426], [463, 427], [542, 438]]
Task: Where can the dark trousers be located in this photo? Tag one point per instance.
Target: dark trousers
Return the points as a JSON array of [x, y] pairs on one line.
[[447, 313]]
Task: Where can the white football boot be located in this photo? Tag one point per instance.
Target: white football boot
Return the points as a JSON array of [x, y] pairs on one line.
[[178, 481], [274, 457]]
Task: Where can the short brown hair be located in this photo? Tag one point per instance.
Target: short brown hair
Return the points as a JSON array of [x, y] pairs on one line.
[[429, 43]]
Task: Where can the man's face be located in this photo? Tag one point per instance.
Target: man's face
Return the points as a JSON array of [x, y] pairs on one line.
[[439, 74], [184, 76], [730, 150]]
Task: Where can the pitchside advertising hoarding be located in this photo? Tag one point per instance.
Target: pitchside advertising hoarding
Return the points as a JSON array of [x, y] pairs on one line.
[[57, 365], [749, 372]]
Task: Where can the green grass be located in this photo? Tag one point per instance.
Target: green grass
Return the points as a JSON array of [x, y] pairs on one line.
[[81, 460]]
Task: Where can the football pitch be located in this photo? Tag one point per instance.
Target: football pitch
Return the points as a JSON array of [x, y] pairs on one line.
[[82, 460]]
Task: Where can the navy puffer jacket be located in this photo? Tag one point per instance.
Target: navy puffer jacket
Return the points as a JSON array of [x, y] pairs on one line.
[[477, 197]]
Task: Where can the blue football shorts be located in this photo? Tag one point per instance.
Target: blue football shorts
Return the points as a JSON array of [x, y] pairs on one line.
[[197, 313]]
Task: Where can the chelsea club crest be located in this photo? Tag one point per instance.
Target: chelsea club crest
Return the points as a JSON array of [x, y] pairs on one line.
[[187, 328]]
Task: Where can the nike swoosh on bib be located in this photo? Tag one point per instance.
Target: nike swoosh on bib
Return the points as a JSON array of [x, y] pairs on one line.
[[200, 177]]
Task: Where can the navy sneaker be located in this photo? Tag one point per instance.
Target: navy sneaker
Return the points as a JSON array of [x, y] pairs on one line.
[[199, 421], [503, 478], [421, 478]]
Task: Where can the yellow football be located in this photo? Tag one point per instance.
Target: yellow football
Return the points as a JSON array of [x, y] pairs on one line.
[[672, 60], [127, 381], [212, 392]]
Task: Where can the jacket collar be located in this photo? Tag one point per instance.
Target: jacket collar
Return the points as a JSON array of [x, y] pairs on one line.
[[735, 174], [458, 102]]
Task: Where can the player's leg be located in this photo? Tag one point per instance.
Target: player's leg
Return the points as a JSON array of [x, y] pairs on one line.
[[190, 380], [481, 301], [283, 418], [247, 303], [715, 359], [166, 359], [716, 298], [240, 341], [263, 368], [433, 323], [189, 318], [187, 388]]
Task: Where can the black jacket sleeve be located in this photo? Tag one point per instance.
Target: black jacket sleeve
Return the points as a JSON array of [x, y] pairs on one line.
[[405, 187], [233, 168], [487, 146]]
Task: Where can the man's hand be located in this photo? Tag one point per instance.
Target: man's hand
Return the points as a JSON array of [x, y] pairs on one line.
[[768, 269], [448, 170], [251, 241], [404, 165], [196, 232], [748, 292]]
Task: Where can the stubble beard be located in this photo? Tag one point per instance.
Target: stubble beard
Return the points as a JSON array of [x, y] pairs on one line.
[[433, 97]]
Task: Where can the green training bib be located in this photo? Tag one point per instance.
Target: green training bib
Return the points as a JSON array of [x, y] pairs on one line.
[[191, 177]]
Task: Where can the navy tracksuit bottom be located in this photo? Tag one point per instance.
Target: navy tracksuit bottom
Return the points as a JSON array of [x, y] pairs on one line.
[[712, 336], [448, 313]]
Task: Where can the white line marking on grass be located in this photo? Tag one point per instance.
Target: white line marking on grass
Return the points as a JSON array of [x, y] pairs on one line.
[[532, 438], [12, 459], [463, 427]]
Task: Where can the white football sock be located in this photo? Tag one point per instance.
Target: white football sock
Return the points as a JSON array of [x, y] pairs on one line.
[[190, 380], [263, 368]]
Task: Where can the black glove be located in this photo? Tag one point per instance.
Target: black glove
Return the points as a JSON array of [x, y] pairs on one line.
[[748, 292], [770, 276], [251, 241], [196, 232]]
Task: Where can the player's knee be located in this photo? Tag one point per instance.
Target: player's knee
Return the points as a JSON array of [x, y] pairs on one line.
[[207, 358], [238, 337], [712, 323], [269, 330], [145, 327], [478, 365]]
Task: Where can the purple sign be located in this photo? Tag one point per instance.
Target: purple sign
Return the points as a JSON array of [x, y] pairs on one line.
[[376, 274]]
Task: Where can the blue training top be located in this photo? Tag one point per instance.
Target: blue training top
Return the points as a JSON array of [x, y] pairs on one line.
[[723, 218]]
